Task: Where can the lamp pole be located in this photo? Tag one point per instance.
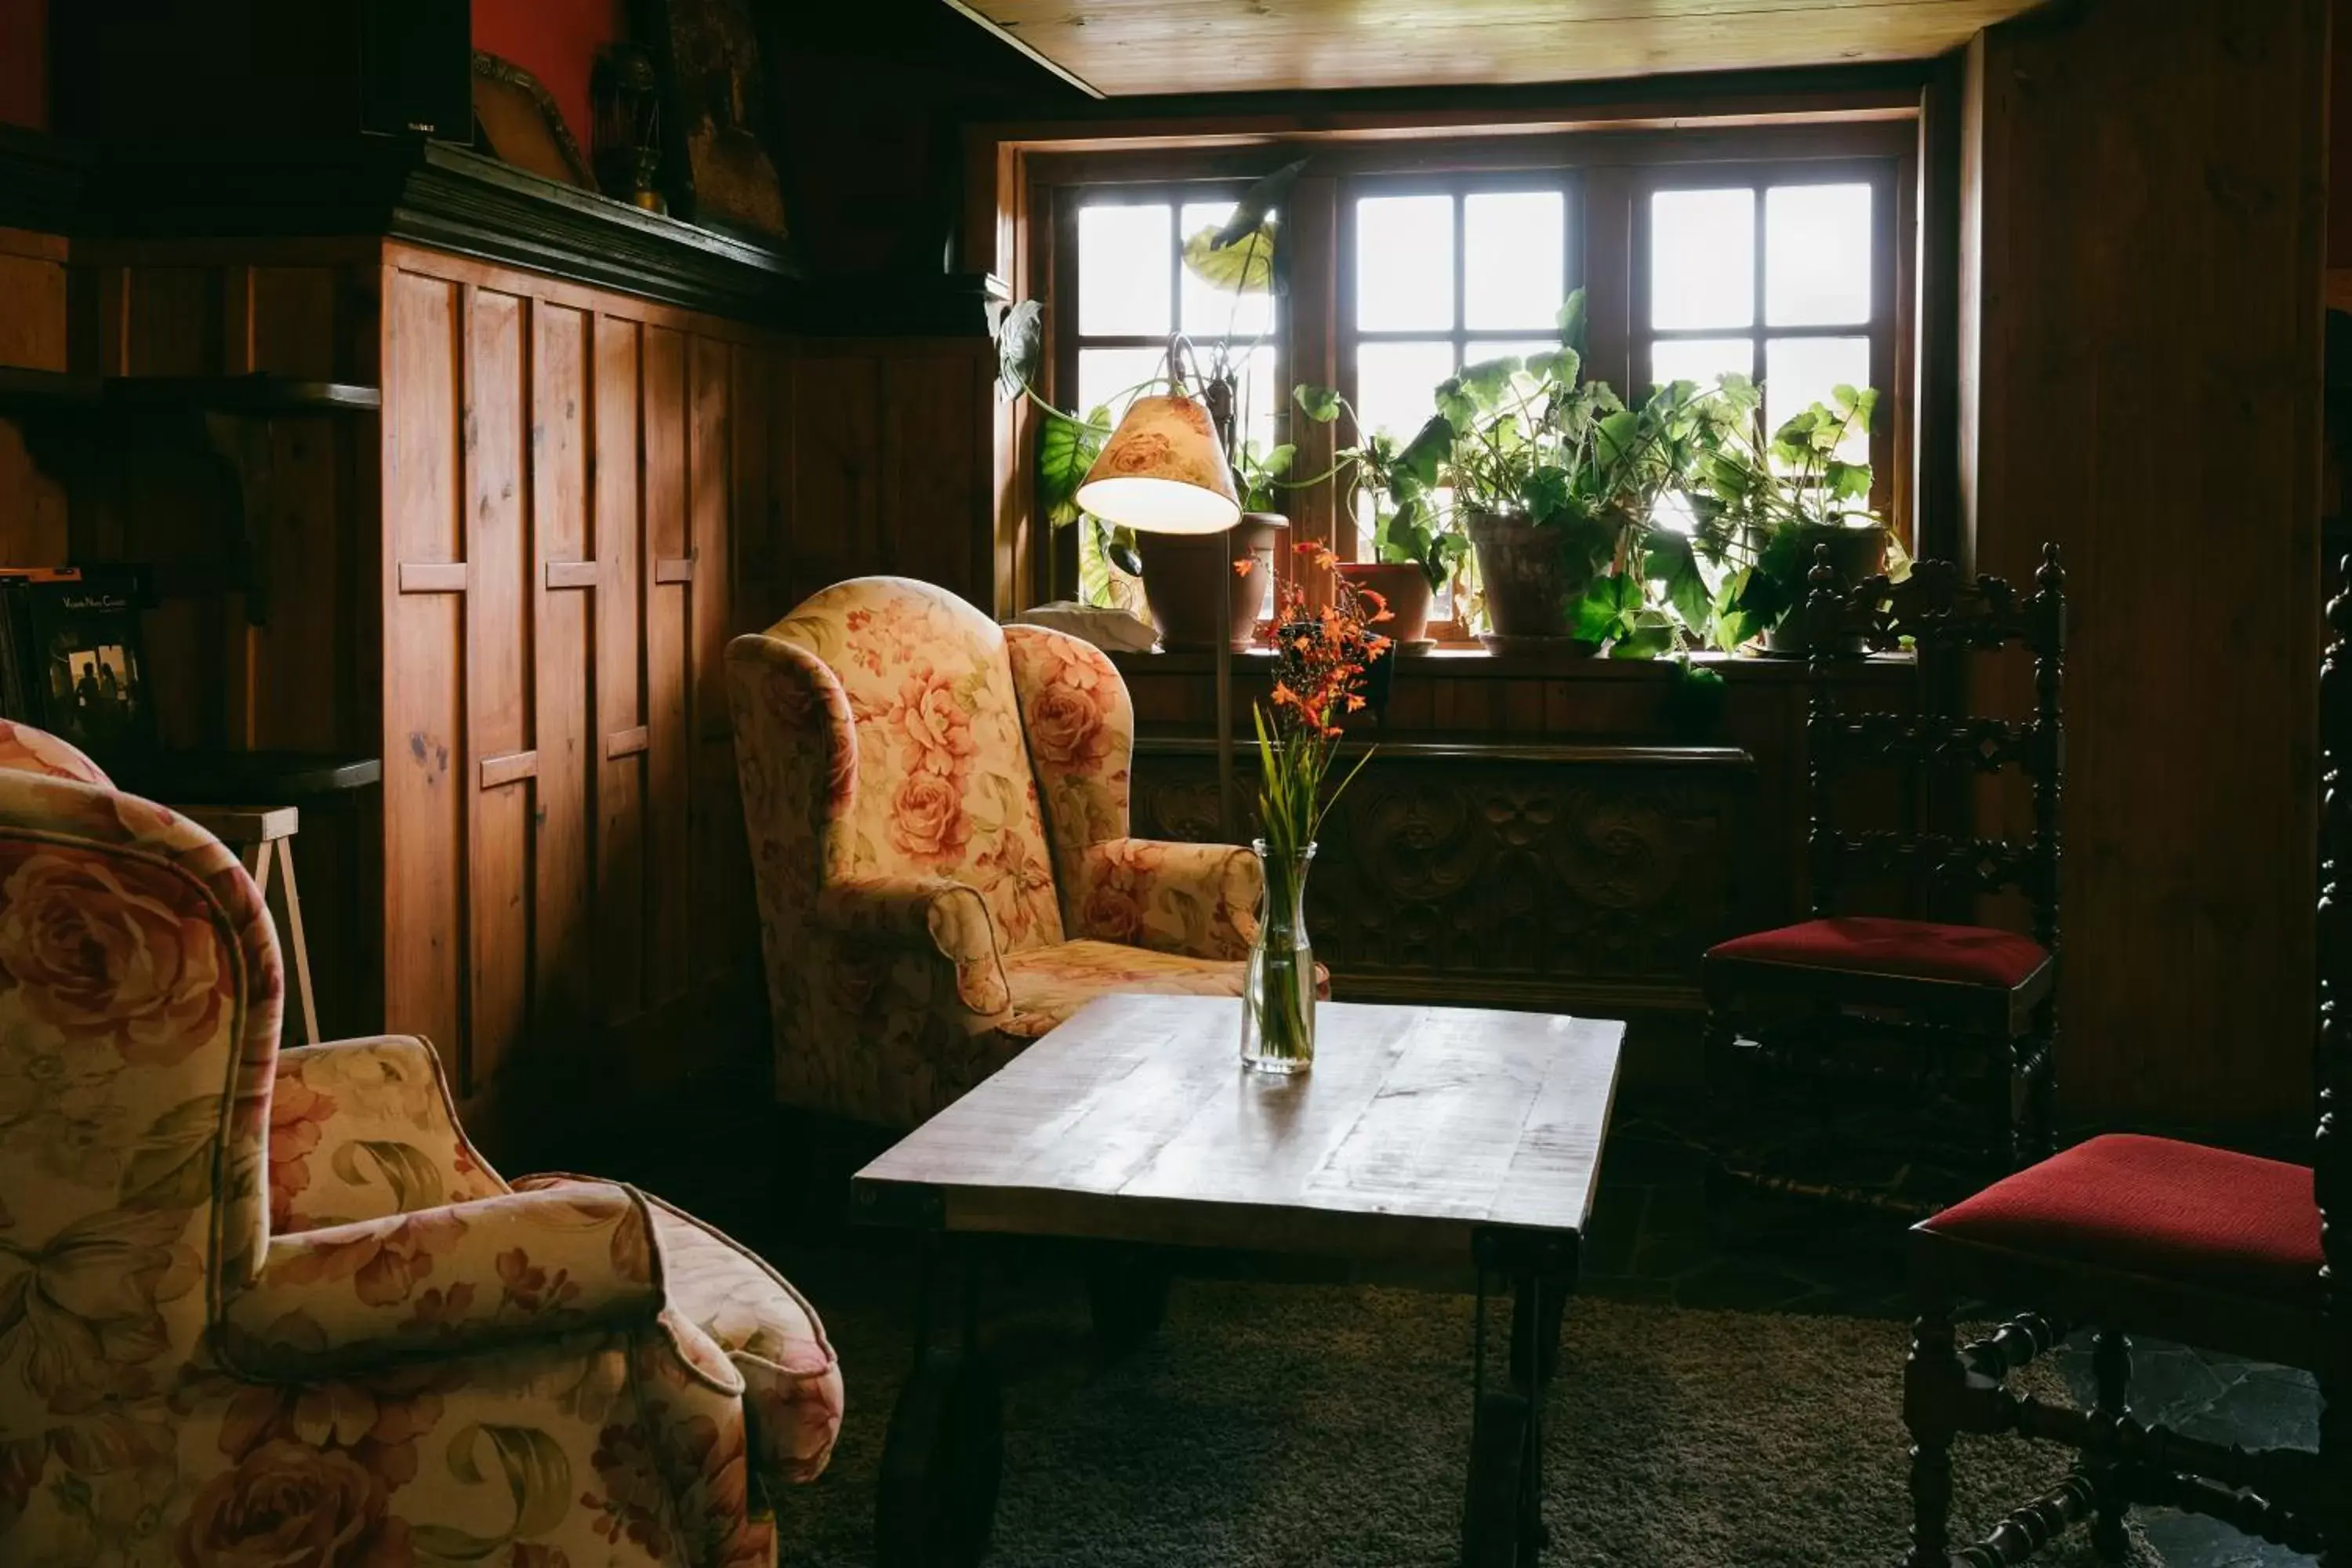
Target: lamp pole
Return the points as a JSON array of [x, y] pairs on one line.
[[1218, 397]]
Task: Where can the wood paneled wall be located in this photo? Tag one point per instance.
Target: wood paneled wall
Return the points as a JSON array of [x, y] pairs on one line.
[[576, 507], [887, 454], [2146, 206], [515, 585], [33, 335]]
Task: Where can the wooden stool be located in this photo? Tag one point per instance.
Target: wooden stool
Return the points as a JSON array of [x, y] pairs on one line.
[[261, 835]]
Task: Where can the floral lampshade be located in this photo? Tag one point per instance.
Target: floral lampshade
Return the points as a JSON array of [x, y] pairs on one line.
[[1162, 471]]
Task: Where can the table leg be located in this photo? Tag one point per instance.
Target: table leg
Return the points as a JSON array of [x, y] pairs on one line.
[[1127, 1289], [944, 1456], [1502, 1516]]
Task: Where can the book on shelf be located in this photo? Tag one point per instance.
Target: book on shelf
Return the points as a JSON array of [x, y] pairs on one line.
[[71, 658]]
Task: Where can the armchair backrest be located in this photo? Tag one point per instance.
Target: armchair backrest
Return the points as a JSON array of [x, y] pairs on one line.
[[140, 995], [939, 782]]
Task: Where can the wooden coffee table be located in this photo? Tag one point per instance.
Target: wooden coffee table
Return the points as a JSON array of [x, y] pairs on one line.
[[1429, 1144]]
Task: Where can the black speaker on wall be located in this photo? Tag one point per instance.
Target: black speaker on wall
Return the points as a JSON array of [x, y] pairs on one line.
[[417, 68]]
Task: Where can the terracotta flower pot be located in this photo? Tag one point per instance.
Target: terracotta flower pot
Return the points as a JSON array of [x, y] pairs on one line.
[[1855, 553], [1181, 575], [1524, 572], [1406, 589]]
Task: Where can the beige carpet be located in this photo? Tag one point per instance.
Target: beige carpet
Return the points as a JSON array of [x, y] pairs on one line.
[[1315, 1426]]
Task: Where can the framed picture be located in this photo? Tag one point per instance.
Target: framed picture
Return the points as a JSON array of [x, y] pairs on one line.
[[719, 171], [518, 123]]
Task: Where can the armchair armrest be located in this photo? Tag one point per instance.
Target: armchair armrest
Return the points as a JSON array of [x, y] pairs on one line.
[[1198, 899], [927, 915], [365, 1128], [444, 1281]]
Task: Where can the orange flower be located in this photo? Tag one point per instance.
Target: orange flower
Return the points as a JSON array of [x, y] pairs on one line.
[[1242, 567]]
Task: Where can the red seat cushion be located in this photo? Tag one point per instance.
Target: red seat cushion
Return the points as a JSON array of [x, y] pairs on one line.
[[1918, 950], [2155, 1207]]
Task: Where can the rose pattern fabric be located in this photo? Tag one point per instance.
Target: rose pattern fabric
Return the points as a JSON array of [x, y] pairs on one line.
[[363, 1129], [891, 742], [447, 1359]]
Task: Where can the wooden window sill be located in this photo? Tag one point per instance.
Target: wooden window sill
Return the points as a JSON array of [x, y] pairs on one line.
[[1477, 663]]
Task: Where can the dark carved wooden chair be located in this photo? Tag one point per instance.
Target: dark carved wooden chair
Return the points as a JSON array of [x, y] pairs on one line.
[[1828, 1000], [2128, 1234]]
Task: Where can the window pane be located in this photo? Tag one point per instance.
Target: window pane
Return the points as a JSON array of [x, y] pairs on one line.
[[1405, 263], [1514, 260], [1702, 258], [1215, 312], [1125, 254], [1799, 371], [1701, 360], [1481, 349], [1396, 384], [1109, 376], [1257, 403], [1817, 255]]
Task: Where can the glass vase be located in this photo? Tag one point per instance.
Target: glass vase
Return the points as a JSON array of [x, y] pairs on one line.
[[1278, 994]]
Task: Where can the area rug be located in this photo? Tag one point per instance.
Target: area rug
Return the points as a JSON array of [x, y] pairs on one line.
[[1270, 1426]]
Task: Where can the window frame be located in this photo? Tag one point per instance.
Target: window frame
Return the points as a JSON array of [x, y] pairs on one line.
[[1607, 171], [1887, 491], [1349, 335]]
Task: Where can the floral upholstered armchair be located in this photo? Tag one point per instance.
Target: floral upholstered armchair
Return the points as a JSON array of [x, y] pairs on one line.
[[266, 1308], [938, 815]]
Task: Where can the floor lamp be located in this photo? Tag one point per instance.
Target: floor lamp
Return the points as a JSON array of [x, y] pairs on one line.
[[1164, 471]]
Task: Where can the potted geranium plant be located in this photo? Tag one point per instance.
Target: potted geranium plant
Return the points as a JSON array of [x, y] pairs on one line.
[[1415, 549], [1325, 660], [1763, 504]]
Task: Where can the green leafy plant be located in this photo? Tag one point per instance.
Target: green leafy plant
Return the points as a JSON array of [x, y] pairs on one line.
[[1400, 480], [1761, 502]]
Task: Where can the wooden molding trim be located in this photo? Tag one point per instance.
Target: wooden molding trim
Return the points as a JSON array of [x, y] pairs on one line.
[[627, 742], [434, 576], [564, 574], [674, 569], [456, 201], [512, 768]]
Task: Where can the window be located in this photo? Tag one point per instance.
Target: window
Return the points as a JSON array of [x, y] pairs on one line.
[[1443, 275], [1774, 251], [1134, 292], [1775, 274]]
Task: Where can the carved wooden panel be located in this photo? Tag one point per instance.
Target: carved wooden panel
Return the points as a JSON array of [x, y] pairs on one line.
[[1529, 876]]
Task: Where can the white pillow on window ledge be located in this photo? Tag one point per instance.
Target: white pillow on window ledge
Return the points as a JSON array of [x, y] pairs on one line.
[[1113, 631]]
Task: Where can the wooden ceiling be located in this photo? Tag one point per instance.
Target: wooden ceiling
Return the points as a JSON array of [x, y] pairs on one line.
[[1122, 48]]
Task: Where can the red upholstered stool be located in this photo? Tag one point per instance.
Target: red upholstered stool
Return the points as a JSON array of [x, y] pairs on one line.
[[2126, 1235], [1893, 950], [1852, 1008], [2177, 1213]]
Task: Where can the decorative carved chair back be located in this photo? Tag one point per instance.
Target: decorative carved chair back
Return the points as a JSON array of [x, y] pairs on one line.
[[2332, 1162], [140, 998], [1944, 616], [941, 785]]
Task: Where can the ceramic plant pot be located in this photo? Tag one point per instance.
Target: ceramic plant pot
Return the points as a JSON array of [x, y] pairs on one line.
[[1406, 590], [1181, 573], [1524, 572], [1855, 553]]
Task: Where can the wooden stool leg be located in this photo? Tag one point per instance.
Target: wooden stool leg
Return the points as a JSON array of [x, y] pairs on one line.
[[2111, 1371], [2335, 1467], [289, 923], [2004, 1136], [1929, 1384]]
